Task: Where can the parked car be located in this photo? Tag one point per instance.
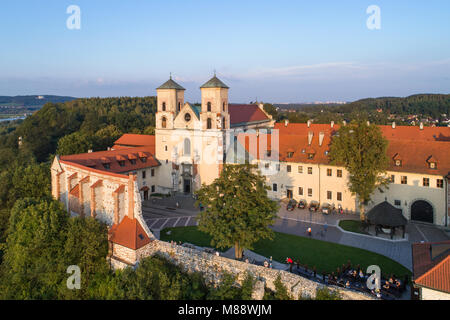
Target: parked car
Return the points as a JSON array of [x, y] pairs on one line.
[[291, 205], [302, 204], [314, 206], [327, 208]]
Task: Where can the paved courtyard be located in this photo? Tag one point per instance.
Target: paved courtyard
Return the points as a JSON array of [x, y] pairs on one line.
[[180, 211]]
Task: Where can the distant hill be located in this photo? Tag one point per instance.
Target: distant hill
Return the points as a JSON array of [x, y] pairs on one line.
[[32, 101]]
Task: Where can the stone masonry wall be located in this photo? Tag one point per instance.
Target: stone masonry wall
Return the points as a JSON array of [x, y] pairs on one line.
[[212, 267]]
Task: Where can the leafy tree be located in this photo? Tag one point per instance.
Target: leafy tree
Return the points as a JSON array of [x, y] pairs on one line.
[[74, 143], [227, 290], [361, 149], [247, 287], [237, 209], [106, 136], [326, 294]]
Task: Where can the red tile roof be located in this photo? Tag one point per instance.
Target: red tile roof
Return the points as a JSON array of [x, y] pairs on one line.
[[415, 156], [244, 113], [96, 160], [135, 140], [129, 233], [432, 272]]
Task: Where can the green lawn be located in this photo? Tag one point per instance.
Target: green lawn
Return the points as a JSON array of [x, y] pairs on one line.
[[352, 226], [188, 234], [325, 256]]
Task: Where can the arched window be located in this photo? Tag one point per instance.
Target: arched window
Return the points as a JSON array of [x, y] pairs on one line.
[[179, 106], [224, 123], [187, 147], [224, 106], [163, 106], [209, 106], [163, 122], [208, 123]]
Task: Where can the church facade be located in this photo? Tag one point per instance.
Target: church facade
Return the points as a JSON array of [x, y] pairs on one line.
[[193, 142]]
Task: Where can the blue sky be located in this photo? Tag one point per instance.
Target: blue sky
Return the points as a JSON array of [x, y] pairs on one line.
[[277, 51]]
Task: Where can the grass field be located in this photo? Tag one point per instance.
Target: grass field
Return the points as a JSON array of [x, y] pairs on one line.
[[325, 256], [352, 226]]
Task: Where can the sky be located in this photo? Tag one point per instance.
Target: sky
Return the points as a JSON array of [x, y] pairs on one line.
[[272, 51]]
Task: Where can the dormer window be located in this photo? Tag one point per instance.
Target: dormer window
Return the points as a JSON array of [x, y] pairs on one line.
[[310, 155], [144, 159], [208, 106], [106, 165], [121, 163], [398, 163], [290, 154], [133, 161], [163, 106], [432, 165]]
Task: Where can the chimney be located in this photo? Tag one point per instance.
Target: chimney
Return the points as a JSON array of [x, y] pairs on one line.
[[344, 123], [332, 124], [286, 122], [421, 126], [309, 123], [368, 123], [310, 136], [321, 136], [90, 151], [393, 125]]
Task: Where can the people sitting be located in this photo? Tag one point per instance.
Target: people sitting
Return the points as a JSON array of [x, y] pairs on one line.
[[386, 285]]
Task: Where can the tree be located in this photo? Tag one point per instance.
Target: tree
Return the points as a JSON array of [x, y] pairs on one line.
[[74, 143], [361, 149], [237, 209]]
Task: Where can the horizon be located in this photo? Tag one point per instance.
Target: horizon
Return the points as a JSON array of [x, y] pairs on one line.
[[287, 53]]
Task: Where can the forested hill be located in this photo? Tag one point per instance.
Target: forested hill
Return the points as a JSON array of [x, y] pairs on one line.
[[89, 123], [28, 101], [432, 105]]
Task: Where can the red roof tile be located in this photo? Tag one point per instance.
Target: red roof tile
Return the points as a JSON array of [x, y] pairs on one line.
[[96, 160], [129, 233], [429, 271], [136, 140], [243, 113]]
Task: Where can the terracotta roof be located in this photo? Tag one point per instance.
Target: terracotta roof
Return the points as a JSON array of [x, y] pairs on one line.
[[75, 191], [415, 156], [135, 140], [129, 233], [431, 265], [97, 160], [244, 113]]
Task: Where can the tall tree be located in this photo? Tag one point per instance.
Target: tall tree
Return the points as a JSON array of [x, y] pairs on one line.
[[237, 209], [361, 149]]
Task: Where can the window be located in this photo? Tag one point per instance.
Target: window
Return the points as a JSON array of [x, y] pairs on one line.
[[288, 168], [153, 188], [404, 180], [339, 173], [300, 191], [309, 170], [329, 172], [300, 169], [290, 154], [163, 122], [440, 183], [152, 172], [165, 148], [179, 106], [309, 192], [187, 147], [426, 182], [133, 161], [106, 165], [143, 174], [224, 123], [209, 107], [267, 165], [432, 165], [187, 117], [163, 106], [121, 163], [392, 179], [144, 159], [398, 163], [310, 155], [339, 196], [275, 187], [329, 195], [278, 167], [208, 123], [397, 202], [269, 153], [223, 106]]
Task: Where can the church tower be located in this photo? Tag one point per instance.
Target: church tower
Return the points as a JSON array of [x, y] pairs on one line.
[[214, 114], [170, 99]]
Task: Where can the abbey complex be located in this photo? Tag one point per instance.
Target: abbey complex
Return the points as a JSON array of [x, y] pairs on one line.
[[192, 143]]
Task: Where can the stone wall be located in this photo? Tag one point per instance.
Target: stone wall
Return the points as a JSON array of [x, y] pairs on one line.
[[212, 268]]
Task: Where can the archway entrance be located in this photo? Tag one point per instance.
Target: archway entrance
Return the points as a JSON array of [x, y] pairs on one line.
[[187, 185], [422, 211]]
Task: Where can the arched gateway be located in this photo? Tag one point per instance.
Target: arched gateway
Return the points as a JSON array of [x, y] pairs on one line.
[[422, 211]]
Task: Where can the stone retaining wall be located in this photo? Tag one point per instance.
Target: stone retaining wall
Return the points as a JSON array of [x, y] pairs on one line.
[[212, 268]]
